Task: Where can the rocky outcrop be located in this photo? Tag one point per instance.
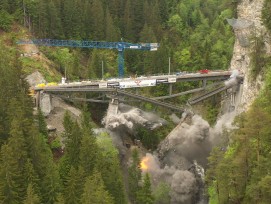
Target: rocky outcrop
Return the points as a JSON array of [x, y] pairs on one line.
[[249, 11]]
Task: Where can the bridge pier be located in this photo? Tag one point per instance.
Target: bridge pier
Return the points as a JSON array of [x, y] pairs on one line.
[[170, 89], [204, 83], [44, 102], [37, 99]]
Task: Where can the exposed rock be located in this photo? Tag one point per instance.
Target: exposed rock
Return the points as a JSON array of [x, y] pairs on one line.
[[35, 79], [55, 118], [250, 10], [51, 128]]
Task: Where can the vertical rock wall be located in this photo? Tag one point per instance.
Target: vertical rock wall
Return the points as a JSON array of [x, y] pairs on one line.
[[249, 10]]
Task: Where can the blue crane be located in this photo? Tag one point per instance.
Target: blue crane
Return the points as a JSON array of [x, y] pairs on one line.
[[120, 46]]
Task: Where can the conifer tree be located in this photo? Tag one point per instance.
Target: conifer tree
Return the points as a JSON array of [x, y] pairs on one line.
[[32, 197], [129, 33], [10, 189], [60, 199], [111, 33], [54, 23], [42, 160], [42, 124], [73, 144], [74, 186], [18, 156], [134, 176], [32, 177], [89, 151], [94, 191], [98, 21], [144, 195], [108, 165]]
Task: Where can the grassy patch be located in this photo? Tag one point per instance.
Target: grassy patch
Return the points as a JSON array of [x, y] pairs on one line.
[[31, 65]]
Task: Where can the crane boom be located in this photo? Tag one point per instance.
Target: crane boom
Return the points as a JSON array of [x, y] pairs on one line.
[[120, 46]]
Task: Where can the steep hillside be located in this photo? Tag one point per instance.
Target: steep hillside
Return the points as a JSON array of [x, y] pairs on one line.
[[250, 34], [239, 170]]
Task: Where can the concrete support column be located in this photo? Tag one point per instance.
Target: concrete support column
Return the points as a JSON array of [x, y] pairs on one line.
[[170, 89], [46, 103], [37, 99], [204, 82]]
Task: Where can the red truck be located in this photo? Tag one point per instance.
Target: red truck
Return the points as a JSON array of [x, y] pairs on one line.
[[204, 71]]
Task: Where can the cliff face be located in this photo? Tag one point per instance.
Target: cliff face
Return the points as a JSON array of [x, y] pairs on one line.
[[249, 13]]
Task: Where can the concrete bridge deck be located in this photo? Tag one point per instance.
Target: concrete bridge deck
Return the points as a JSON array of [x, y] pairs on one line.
[[143, 81]]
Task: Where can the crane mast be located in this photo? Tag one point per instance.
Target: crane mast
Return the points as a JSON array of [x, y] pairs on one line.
[[120, 46]]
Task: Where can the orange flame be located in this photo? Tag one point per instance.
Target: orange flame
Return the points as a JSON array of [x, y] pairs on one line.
[[143, 164]]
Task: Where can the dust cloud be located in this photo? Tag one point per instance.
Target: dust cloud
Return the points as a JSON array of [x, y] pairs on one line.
[[125, 115], [181, 157]]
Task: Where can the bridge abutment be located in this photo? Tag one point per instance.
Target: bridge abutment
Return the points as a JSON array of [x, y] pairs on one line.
[[44, 102]]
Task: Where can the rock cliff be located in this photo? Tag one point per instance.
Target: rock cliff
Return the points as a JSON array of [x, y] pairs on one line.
[[249, 16]]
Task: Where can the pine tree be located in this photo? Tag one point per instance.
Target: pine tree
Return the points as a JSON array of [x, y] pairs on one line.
[[88, 152], [144, 195], [73, 144], [41, 21], [94, 66], [129, 33], [50, 184], [10, 189], [42, 124], [74, 186], [42, 160], [111, 33], [54, 21], [138, 17], [94, 191], [98, 21], [32, 197], [32, 177], [108, 165], [134, 176], [16, 160]]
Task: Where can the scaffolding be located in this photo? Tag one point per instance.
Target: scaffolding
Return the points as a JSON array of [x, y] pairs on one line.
[[243, 29]]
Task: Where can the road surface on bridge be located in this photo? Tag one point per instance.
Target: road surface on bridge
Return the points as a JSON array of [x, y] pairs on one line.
[[142, 81]]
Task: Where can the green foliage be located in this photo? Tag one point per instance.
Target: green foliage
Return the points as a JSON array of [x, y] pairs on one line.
[[134, 176], [241, 173], [73, 188], [55, 144], [212, 112], [193, 33], [6, 20], [27, 171], [266, 14], [94, 191], [29, 65], [258, 58], [208, 39], [88, 152], [161, 194], [109, 167], [42, 124], [144, 195], [32, 197], [149, 139]]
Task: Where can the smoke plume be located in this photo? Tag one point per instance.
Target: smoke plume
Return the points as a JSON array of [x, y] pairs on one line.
[[124, 115], [179, 158]]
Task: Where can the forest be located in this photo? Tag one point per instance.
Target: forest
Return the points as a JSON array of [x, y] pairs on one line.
[[185, 30], [193, 33]]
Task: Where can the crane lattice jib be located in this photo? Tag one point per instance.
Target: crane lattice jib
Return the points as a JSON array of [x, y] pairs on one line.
[[120, 46]]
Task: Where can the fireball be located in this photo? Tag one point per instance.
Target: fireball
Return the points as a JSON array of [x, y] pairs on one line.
[[144, 164]]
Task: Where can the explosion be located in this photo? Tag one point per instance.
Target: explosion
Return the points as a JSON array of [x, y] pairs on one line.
[[143, 164]]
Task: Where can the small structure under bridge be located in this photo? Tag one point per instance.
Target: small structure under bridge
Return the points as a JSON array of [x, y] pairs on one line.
[[117, 90]]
